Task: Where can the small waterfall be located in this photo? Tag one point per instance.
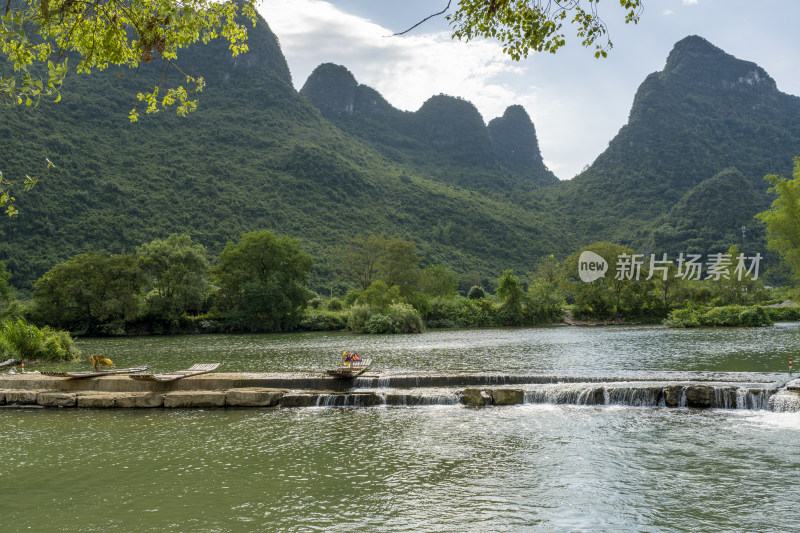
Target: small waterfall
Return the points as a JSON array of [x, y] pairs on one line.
[[567, 393], [592, 394], [413, 399], [634, 396], [358, 399], [725, 397], [402, 390], [785, 402], [383, 397], [684, 401], [652, 395], [753, 399]]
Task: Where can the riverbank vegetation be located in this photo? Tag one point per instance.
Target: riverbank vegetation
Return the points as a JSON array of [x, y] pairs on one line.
[[24, 341], [260, 284], [726, 316]]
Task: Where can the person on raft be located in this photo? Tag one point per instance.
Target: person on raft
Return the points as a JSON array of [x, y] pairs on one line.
[[350, 357]]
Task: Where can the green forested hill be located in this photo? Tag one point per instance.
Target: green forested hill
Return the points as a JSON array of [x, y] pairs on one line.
[[710, 217], [256, 155], [259, 155], [705, 112]]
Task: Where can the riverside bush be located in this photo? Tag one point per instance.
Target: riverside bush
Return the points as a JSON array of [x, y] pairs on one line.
[[726, 316], [406, 319], [21, 340], [478, 313], [323, 321], [357, 317], [379, 323], [683, 318], [443, 312], [754, 316], [784, 314]]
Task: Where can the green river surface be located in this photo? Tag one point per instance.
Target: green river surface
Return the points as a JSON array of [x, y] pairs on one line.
[[532, 467]]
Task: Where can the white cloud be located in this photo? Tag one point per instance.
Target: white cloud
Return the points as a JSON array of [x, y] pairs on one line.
[[407, 70], [667, 12], [689, 2]]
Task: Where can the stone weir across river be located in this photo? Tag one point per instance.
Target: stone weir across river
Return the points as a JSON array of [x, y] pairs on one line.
[[722, 390]]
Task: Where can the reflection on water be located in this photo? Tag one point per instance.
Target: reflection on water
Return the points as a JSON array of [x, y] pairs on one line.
[[408, 469], [557, 349]]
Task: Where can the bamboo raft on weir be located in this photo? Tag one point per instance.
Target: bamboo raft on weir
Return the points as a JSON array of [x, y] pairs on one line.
[[194, 370], [351, 369], [98, 373]]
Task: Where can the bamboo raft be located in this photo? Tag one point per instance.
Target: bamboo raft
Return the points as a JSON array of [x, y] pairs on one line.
[[351, 370], [194, 370], [97, 373]]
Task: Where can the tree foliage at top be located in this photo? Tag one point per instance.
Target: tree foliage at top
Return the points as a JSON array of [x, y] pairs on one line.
[[41, 41], [523, 26], [61, 35]]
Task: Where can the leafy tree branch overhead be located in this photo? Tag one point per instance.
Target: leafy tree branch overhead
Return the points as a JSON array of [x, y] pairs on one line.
[[41, 40], [523, 26]]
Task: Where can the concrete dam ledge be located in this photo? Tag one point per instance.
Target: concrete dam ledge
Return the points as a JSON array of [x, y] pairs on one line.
[[321, 382], [696, 390]]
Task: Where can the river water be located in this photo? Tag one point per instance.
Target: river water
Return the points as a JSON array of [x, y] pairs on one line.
[[529, 467]]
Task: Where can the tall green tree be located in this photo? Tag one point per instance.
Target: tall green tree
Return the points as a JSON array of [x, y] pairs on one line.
[[400, 263], [549, 269], [93, 293], [263, 282], [783, 218], [360, 259], [512, 295], [177, 271], [544, 302], [377, 257], [438, 281]]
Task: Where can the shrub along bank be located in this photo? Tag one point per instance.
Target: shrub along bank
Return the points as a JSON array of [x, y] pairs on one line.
[[726, 316], [24, 341]]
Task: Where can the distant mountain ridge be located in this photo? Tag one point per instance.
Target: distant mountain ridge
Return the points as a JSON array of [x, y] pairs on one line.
[[446, 136]]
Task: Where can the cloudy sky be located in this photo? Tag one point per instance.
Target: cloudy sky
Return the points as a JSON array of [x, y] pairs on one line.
[[577, 102]]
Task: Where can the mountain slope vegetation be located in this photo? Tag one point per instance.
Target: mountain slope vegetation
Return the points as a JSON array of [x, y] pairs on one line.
[[256, 155], [336, 160]]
